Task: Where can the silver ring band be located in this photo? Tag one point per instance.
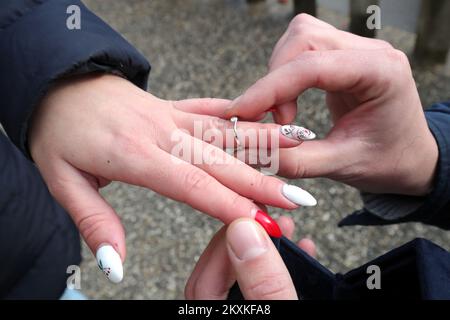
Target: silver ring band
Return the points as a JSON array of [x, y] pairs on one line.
[[234, 120]]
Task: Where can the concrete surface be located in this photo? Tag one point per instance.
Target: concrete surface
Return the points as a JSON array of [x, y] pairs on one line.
[[217, 48]]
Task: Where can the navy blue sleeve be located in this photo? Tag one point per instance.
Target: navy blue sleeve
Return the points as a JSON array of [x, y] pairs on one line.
[[434, 208], [37, 48]]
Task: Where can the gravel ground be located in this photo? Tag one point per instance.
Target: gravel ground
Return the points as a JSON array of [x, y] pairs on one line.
[[217, 48]]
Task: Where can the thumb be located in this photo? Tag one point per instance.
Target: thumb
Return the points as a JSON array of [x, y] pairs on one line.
[[260, 271], [97, 222]]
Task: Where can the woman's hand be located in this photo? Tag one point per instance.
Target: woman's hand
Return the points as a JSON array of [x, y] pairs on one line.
[[243, 251], [93, 129], [380, 141]]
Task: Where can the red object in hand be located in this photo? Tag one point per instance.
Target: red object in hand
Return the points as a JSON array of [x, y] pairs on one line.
[[268, 224]]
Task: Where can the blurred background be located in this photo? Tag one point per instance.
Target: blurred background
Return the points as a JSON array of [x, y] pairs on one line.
[[217, 48]]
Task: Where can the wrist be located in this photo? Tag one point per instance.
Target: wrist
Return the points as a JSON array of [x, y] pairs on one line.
[[420, 174]]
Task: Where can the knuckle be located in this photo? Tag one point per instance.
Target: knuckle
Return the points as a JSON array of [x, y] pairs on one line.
[[127, 143], [90, 224], [270, 286], [59, 187], [217, 124], [299, 170], [383, 43], [398, 57], [196, 181], [394, 67], [303, 31], [235, 203], [302, 18], [259, 181], [399, 62]]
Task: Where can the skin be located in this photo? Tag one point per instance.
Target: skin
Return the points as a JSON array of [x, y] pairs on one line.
[[218, 268], [94, 129], [380, 141]]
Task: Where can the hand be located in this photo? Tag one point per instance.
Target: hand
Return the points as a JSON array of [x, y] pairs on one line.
[[243, 251], [94, 129], [380, 141]]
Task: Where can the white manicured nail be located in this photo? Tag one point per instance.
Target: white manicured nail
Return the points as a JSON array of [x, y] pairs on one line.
[[109, 262], [297, 133], [298, 196]]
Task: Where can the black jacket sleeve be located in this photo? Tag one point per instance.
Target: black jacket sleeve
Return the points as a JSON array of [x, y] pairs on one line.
[[434, 208], [37, 48]]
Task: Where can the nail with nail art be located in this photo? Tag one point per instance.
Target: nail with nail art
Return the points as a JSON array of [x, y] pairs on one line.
[[297, 132], [110, 263], [298, 196]]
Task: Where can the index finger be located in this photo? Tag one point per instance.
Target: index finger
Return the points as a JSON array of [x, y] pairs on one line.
[[334, 70]]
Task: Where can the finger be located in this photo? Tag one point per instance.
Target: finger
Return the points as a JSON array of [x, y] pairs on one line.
[[189, 290], [287, 226], [213, 275], [312, 69], [313, 38], [247, 181], [262, 206], [280, 43], [95, 219], [220, 132], [304, 18], [311, 159], [260, 271], [299, 22], [296, 22], [207, 106], [308, 246], [285, 113], [181, 181], [319, 158]]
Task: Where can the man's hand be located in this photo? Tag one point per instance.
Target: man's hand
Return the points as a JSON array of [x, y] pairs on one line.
[[94, 129], [244, 252], [380, 141]]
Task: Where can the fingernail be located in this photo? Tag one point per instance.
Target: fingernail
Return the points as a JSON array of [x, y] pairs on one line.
[[298, 195], [297, 132], [246, 240], [270, 225], [109, 262]]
